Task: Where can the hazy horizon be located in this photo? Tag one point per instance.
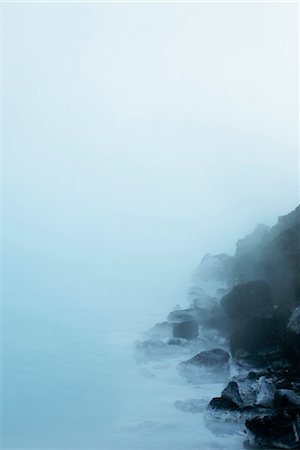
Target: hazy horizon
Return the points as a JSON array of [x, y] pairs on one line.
[[137, 138]]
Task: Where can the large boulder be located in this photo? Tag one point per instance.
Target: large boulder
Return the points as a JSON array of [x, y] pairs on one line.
[[259, 343], [217, 319], [280, 430], [214, 362], [187, 329], [210, 359], [273, 255], [248, 300]]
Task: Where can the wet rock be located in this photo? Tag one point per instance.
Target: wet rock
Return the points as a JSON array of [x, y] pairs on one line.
[[223, 403], [213, 361], [232, 393], [201, 299], [259, 343], [195, 314], [294, 321], [279, 430], [211, 358], [248, 300], [188, 329], [274, 256], [286, 398], [265, 392], [217, 319]]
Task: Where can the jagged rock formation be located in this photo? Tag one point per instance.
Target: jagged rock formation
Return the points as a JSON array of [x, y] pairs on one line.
[[248, 304]]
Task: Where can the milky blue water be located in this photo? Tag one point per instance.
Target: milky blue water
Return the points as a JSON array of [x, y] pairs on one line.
[[69, 376]]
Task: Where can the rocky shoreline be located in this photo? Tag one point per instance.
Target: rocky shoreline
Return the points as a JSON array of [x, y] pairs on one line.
[[243, 326]]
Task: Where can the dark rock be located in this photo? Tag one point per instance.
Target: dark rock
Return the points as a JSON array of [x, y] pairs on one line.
[[265, 392], [211, 359], [180, 315], [222, 403], [280, 430], [281, 266], [259, 343], [219, 320], [272, 255], [232, 393], [294, 321], [200, 299], [282, 314], [248, 300], [214, 362], [188, 329], [286, 398]]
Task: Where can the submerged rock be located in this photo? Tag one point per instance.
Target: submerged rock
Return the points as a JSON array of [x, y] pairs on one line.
[[211, 358], [195, 314], [223, 403], [193, 405], [213, 361], [188, 329], [160, 330]]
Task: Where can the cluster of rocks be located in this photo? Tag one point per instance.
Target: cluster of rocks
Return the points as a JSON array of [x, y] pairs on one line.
[[247, 324]]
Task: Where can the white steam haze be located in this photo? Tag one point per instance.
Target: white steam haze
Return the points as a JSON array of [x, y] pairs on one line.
[[137, 138]]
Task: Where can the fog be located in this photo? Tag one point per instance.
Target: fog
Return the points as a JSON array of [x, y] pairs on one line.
[[137, 138]]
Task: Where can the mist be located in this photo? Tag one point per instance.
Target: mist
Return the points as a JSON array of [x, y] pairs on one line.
[[137, 138]]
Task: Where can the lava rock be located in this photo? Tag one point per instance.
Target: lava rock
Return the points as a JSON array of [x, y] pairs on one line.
[[265, 392], [280, 430], [294, 321], [217, 319], [248, 300], [232, 393], [286, 398], [211, 358], [188, 329], [222, 403], [259, 343]]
